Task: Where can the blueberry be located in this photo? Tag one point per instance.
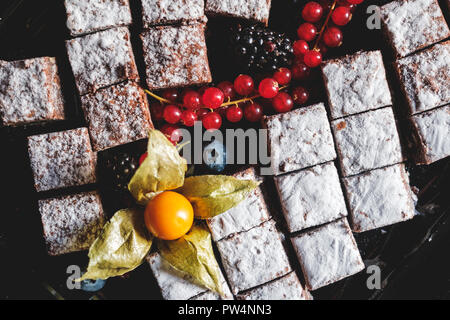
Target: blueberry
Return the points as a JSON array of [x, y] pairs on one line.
[[216, 156], [92, 285]]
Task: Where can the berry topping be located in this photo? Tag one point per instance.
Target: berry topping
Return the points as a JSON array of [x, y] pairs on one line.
[[172, 114], [307, 31], [172, 132], [212, 98], [120, 168], [300, 71], [170, 94], [201, 113], [253, 112], [143, 157], [283, 76], [341, 16], [234, 114], [313, 58], [157, 111], [300, 95], [355, 1], [268, 88], [300, 48], [212, 121], [244, 85], [227, 89], [282, 102], [191, 99], [312, 12], [188, 117], [332, 37]]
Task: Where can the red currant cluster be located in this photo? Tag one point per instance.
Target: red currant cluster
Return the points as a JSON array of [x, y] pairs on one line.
[[329, 35]]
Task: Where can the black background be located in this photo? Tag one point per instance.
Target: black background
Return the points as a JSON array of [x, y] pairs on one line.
[[413, 255]]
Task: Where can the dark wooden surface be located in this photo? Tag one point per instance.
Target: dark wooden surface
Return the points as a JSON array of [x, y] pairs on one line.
[[413, 255]]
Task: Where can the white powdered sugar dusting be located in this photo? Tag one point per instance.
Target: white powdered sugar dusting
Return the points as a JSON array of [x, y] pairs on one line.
[[85, 16], [356, 83], [102, 59], [413, 24], [328, 254], [285, 288], [170, 11], [300, 139], [246, 215], [434, 131], [248, 9], [425, 77], [379, 198], [253, 257], [311, 197], [62, 159], [176, 56], [367, 141], [71, 223], [30, 91], [117, 115]]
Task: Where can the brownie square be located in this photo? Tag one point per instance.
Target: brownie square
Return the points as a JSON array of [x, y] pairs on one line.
[[62, 159], [356, 83], [256, 10], [155, 12], [176, 56], [379, 198], [300, 138], [71, 223], [175, 285], [425, 78], [246, 215], [328, 254], [102, 59], [88, 16], [367, 141], [433, 132], [411, 25], [253, 257], [117, 115], [30, 91], [284, 288], [311, 197]]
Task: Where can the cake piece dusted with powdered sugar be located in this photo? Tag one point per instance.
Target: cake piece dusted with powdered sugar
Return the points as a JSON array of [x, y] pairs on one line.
[[62, 159], [328, 254], [71, 223], [30, 91], [256, 10], [300, 138], [102, 59], [284, 288], [246, 215], [367, 141], [311, 197], [175, 285], [176, 56], [425, 78], [356, 83], [86, 16], [411, 25], [379, 198], [156, 12], [253, 257], [117, 115], [432, 129]]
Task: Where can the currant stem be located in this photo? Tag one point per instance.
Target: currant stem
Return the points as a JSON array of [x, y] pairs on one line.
[[160, 99], [325, 24]]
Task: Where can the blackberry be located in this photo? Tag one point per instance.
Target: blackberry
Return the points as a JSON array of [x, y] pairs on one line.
[[257, 49], [120, 168]]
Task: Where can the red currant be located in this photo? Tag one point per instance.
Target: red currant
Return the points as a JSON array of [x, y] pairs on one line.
[[191, 99], [307, 31], [157, 111], [268, 88], [312, 12], [355, 1], [201, 113], [188, 117], [283, 76], [234, 114], [253, 112], [341, 16], [244, 85], [213, 98], [143, 157], [172, 132], [212, 121], [300, 95], [282, 102], [227, 89], [300, 48], [313, 58], [172, 114], [332, 37], [170, 94], [300, 71]]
